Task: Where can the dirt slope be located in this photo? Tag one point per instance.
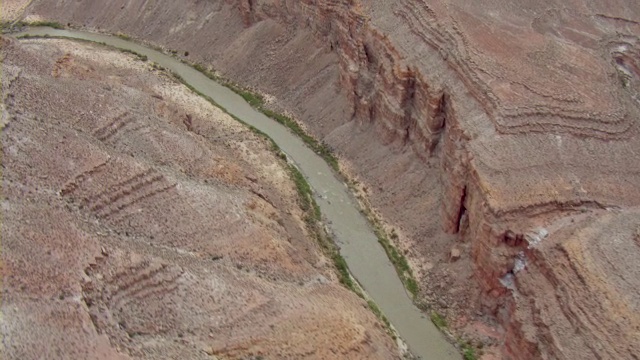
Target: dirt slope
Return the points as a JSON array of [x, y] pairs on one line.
[[139, 221], [478, 128]]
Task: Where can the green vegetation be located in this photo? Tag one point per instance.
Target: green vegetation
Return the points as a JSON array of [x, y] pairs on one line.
[[51, 24], [376, 310], [255, 100], [313, 219], [124, 36], [258, 102], [20, 24], [319, 148], [139, 56], [469, 352], [399, 261], [305, 192], [438, 320], [8, 25], [313, 216], [155, 66]]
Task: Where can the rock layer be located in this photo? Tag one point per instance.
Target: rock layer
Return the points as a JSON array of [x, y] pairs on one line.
[[493, 127], [140, 221]]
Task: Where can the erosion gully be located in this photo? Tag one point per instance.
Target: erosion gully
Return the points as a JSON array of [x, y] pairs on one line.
[[358, 243]]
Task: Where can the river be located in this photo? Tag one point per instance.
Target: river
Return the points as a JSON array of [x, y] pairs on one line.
[[358, 243]]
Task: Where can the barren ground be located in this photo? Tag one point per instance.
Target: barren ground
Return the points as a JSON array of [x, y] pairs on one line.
[[140, 221]]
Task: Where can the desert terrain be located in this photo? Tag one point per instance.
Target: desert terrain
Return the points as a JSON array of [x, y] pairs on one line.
[[497, 139], [139, 221]]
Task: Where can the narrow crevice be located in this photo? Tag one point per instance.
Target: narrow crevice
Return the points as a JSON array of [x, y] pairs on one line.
[[372, 113], [440, 115], [462, 210], [408, 101], [371, 60], [409, 93], [438, 124]]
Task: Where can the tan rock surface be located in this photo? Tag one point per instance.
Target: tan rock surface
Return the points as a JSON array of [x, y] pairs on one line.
[[10, 10], [472, 124], [139, 221]]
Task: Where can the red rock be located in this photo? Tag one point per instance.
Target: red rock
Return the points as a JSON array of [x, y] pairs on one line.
[[477, 118]]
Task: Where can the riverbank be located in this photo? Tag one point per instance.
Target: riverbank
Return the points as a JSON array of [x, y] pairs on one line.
[[257, 101], [140, 221], [351, 229]]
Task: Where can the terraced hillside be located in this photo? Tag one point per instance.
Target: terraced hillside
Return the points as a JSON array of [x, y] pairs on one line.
[[498, 139], [139, 221]]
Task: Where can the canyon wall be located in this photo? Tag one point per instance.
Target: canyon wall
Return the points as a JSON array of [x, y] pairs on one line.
[[503, 131]]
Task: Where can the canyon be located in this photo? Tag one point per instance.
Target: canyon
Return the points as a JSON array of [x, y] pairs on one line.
[[140, 221], [498, 140]]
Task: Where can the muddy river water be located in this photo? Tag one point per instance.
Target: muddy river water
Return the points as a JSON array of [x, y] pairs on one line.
[[358, 243]]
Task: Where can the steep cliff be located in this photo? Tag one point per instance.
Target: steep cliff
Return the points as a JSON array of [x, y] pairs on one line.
[[505, 130]]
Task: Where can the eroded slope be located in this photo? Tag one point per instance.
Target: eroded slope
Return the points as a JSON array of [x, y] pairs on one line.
[[474, 127], [140, 221]]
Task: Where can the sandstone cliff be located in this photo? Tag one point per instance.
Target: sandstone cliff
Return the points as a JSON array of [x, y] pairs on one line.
[[507, 130]]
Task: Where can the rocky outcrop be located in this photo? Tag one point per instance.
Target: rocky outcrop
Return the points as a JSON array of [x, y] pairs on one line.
[[473, 124]]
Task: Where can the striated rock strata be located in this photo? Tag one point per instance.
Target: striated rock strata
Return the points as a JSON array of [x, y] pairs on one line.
[[139, 221], [505, 130]]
